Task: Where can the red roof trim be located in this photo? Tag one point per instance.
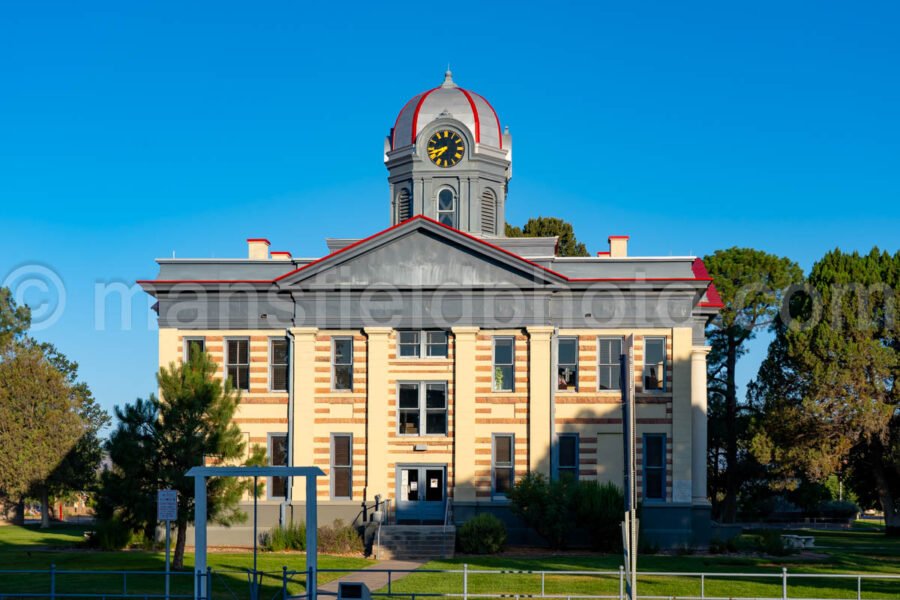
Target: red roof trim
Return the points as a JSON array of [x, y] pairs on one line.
[[457, 231], [173, 281], [496, 118], [415, 121], [475, 113], [267, 242], [618, 237], [603, 253], [280, 252], [714, 300]]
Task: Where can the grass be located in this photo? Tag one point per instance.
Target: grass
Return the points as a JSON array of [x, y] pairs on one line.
[[33, 549], [855, 551]]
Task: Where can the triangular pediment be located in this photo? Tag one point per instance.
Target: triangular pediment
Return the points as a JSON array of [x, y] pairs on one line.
[[421, 254]]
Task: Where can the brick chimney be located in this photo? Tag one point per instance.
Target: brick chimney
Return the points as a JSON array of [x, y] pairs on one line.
[[618, 246], [257, 248]]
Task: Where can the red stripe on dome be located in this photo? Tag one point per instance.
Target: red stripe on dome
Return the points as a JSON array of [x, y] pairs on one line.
[[496, 118], [415, 121], [474, 112]]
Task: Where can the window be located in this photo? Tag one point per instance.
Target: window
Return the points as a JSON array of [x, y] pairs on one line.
[[567, 462], [237, 361], [342, 363], [410, 344], [193, 347], [404, 205], [436, 344], [415, 344], [567, 364], [654, 466], [277, 458], [609, 367], [278, 365], [488, 213], [504, 355], [655, 364], [446, 207], [422, 404], [502, 464], [341, 465]]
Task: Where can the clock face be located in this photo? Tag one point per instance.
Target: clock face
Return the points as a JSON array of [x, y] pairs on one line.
[[445, 148]]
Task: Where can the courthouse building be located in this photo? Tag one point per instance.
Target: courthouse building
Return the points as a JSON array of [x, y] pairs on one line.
[[437, 361]]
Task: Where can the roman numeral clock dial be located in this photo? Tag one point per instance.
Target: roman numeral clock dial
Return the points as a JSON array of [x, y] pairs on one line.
[[445, 148]]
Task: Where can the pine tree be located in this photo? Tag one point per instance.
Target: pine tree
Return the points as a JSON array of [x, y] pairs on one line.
[[751, 284], [549, 227], [830, 384], [158, 440]]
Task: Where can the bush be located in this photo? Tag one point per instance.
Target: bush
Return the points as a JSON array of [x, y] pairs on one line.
[[110, 534], [340, 539], [545, 506], [484, 534], [598, 509], [279, 539], [772, 544], [555, 508]]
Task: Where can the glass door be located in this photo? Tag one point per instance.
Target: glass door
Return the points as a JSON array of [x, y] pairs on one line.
[[421, 493]]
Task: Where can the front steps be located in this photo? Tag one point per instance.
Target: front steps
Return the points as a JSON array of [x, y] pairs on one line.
[[415, 542]]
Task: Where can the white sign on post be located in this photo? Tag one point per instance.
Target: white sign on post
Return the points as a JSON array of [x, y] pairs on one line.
[[167, 505], [167, 510]]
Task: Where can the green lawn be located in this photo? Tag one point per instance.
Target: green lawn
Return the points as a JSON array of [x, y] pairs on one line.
[[30, 548], [856, 551]]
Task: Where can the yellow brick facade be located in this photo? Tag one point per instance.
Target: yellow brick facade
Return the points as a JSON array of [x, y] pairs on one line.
[[475, 411]]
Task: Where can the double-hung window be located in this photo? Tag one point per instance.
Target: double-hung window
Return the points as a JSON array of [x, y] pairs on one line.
[[277, 458], [193, 346], [342, 364], [567, 364], [609, 367], [654, 475], [422, 408], [278, 365], [504, 363], [237, 361], [341, 465], [503, 464], [655, 364], [567, 461], [416, 344]]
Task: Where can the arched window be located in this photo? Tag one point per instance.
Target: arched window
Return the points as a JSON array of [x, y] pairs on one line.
[[404, 205], [446, 207], [488, 212]]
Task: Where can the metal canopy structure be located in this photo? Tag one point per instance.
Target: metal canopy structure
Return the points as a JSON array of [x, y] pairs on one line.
[[200, 474]]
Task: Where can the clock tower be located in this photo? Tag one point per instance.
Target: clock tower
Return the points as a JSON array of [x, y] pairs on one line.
[[448, 159]]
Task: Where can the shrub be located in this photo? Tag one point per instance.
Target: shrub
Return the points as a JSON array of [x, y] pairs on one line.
[[598, 508], [340, 539], [771, 543], [545, 506], [279, 539], [720, 546], [484, 534], [110, 534]]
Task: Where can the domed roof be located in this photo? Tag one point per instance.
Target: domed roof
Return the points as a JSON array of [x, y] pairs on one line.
[[465, 106]]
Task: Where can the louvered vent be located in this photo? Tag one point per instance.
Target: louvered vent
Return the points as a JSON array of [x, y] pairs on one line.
[[404, 205], [488, 213]]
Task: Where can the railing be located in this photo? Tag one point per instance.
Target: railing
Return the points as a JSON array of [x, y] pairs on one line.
[[468, 584], [447, 512]]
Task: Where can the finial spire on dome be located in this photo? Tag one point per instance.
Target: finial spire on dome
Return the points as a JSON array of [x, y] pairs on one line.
[[448, 78]]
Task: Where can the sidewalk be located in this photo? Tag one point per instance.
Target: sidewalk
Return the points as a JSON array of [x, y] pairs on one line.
[[373, 579]]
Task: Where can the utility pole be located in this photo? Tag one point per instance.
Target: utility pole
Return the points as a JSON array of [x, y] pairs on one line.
[[630, 524]]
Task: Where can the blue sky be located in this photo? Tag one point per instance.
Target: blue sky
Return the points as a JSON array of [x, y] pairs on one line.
[[129, 131]]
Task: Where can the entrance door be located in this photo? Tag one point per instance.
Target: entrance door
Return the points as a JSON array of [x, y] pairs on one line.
[[421, 493]]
